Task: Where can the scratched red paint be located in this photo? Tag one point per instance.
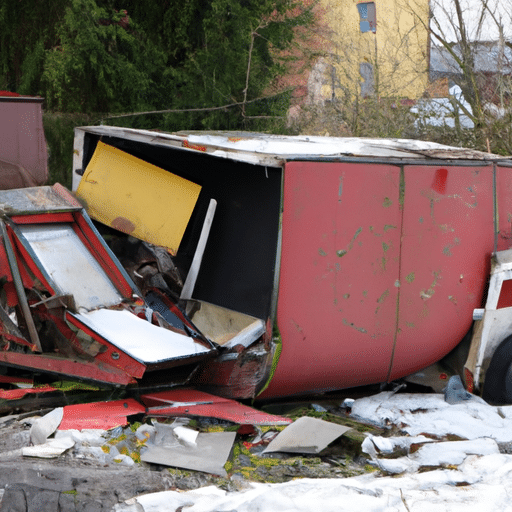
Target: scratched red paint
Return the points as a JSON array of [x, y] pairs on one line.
[[337, 304], [379, 281], [102, 415], [191, 402], [454, 239]]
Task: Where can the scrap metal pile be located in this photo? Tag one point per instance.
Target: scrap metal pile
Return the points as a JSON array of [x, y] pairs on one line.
[[69, 308]]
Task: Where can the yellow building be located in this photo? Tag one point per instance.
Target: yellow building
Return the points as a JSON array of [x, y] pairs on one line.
[[377, 48]]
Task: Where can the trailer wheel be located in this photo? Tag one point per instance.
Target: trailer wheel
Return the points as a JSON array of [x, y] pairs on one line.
[[498, 378]]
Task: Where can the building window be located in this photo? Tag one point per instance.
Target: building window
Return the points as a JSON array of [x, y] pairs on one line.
[[367, 17]]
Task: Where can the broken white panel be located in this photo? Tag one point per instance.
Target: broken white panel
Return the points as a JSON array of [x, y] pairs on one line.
[[225, 326], [49, 450], [43, 427], [190, 282], [208, 455], [70, 265], [138, 338], [306, 435], [248, 335]]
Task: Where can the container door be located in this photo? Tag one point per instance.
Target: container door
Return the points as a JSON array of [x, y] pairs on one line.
[[339, 275], [446, 244]]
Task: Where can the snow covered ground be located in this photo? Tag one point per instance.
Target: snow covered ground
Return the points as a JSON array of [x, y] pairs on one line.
[[455, 458]]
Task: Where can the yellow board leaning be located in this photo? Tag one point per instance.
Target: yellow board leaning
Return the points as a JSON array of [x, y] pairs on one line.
[[137, 198]]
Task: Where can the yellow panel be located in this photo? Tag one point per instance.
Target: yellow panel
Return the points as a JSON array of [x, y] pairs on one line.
[[136, 197]]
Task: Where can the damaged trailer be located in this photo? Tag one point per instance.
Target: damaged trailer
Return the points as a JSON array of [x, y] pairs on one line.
[[349, 261], [279, 265]]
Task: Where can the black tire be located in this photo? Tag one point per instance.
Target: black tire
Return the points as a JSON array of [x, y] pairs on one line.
[[498, 378]]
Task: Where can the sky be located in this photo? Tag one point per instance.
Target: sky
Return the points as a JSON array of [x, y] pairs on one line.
[[479, 23]]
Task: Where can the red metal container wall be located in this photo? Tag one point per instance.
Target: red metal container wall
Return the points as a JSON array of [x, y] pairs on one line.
[[337, 303], [381, 268], [447, 240], [504, 207]]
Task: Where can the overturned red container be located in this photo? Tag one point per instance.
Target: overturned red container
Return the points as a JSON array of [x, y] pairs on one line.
[[360, 261]]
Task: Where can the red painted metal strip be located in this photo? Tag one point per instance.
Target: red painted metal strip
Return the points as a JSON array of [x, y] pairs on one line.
[[66, 195], [20, 250], [16, 394], [190, 402], [7, 379], [113, 356], [197, 147], [5, 269], [100, 415], [504, 207], [90, 371], [97, 248], [43, 218]]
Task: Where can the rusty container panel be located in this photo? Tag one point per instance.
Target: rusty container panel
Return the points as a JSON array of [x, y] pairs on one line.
[[447, 238], [23, 153], [504, 208], [339, 267]]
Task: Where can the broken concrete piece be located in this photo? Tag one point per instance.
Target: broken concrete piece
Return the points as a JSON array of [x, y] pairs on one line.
[[49, 450], [306, 435], [45, 426], [208, 455]]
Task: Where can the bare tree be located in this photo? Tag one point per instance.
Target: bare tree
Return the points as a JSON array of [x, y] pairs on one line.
[[470, 44]]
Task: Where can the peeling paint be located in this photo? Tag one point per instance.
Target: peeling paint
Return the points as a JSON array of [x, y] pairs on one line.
[[124, 225], [342, 252], [410, 324], [427, 294], [451, 298], [358, 232], [410, 277], [447, 250], [387, 202], [397, 283], [385, 246], [322, 252], [445, 228], [365, 293], [401, 192], [350, 324], [387, 227], [297, 326], [420, 220], [382, 298], [469, 205], [340, 189], [346, 295], [383, 263]]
